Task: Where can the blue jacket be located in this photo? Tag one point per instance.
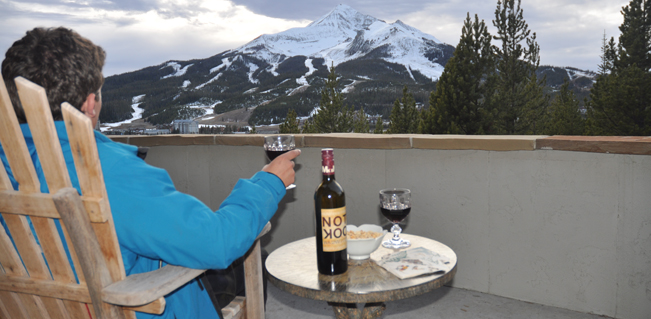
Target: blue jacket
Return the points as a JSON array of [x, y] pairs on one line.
[[154, 222]]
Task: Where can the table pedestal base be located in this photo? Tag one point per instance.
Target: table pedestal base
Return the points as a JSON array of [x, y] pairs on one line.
[[349, 310]]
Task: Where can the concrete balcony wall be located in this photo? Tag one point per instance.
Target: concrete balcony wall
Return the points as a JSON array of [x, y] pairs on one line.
[[560, 221]]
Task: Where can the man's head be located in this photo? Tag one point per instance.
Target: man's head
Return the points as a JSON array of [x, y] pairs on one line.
[[67, 65]]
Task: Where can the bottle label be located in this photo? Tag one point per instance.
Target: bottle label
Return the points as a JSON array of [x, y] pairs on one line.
[[328, 169], [333, 225]]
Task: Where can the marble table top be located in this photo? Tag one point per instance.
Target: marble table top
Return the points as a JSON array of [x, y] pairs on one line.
[[292, 268]]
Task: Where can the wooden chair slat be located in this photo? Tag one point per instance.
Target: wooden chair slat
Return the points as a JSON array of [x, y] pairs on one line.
[[41, 124], [4, 313], [58, 311], [53, 249], [9, 258], [91, 182], [13, 305], [75, 260], [12, 139], [39, 117], [84, 151], [28, 249], [5, 183], [76, 309], [34, 306]]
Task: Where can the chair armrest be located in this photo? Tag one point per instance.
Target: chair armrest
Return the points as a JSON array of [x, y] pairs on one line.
[[140, 289], [264, 231]]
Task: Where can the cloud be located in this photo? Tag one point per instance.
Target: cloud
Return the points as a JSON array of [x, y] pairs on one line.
[[141, 33], [144, 33], [312, 10], [569, 32]]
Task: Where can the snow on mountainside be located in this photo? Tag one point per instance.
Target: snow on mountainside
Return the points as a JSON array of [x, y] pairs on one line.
[[345, 34]]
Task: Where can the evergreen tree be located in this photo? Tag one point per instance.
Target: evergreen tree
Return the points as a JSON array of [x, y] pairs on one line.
[[333, 115], [564, 114], [459, 104], [360, 124], [621, 103], [308, 127], [379, 126], [634, 42], [518, 92], [404, 115], [608, 55], [621, 100], [290, 126]]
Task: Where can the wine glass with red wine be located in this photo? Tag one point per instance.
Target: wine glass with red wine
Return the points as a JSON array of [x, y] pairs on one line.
[[274, 145], [395, 205]]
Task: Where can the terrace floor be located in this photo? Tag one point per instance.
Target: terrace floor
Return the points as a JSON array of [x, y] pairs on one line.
[[446, 302]]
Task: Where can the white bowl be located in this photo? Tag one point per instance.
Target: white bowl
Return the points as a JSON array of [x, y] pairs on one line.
[[362, 248]]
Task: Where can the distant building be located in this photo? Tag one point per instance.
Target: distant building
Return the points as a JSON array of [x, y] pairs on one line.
[[186, 126], [157, 131]]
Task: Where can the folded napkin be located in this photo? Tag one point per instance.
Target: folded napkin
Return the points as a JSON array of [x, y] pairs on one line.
[[415, 262]]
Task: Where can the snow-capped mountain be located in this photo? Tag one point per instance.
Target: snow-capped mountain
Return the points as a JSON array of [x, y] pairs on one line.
[[275, 72], [344, 35], [261, 80]]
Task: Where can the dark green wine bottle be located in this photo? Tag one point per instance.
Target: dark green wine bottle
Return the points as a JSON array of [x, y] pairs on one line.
[[330, 208]]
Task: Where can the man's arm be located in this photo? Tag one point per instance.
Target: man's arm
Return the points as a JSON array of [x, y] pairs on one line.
[[156, 221]]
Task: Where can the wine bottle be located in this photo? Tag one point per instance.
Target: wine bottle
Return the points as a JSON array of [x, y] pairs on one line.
[[330, 209]]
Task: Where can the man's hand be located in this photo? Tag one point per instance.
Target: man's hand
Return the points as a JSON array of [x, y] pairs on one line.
[[283, 167]]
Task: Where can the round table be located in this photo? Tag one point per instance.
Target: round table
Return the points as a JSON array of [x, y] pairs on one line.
[[292, 268]]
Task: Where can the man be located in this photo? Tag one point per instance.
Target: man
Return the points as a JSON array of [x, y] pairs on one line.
[[154, 222]]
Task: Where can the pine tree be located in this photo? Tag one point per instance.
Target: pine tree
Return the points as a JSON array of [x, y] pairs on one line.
[[634, 42], [404, 115], [621, 100], [333, 115], [459, 104], [518, 92], [290, 126], [621, 103], [379, 126], [565, 117], [360, 124], [608, 55], [308, 127]]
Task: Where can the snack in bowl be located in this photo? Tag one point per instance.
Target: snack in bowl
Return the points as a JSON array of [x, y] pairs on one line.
[[363, 240]]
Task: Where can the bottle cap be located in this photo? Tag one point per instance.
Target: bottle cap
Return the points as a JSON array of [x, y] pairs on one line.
[[329, 152]]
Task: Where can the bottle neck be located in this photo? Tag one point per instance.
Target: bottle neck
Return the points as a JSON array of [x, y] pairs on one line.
[[328, 177]]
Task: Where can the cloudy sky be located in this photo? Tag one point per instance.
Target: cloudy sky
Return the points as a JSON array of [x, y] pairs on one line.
[[142, 33]]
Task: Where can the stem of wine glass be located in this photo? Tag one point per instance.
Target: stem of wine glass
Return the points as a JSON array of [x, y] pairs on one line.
[[396, 230]]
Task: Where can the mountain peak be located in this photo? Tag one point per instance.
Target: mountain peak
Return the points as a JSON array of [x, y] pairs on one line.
[[344, 34], [346, 18]]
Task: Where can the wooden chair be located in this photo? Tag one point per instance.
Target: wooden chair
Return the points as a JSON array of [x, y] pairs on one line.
[[36, 279]]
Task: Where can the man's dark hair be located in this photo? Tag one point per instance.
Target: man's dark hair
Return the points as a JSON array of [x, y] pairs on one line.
[[66, 64]]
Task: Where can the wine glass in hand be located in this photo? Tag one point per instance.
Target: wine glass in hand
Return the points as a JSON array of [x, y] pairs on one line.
[[395, 204], [274, 145]]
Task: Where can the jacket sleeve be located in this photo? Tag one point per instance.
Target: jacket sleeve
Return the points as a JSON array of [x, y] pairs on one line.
[[154, 220]]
